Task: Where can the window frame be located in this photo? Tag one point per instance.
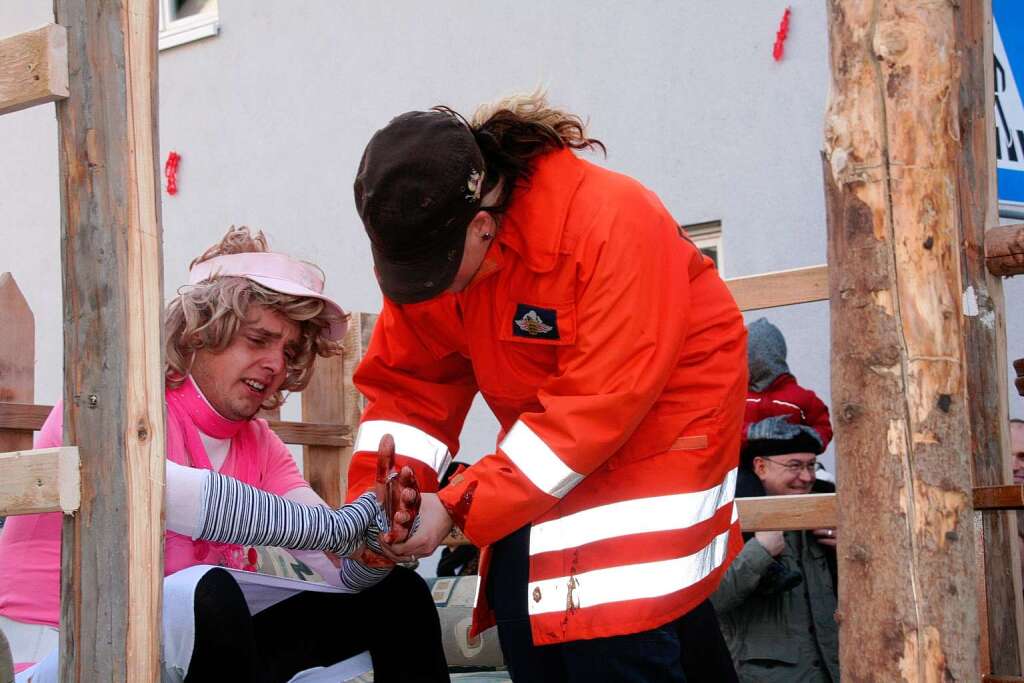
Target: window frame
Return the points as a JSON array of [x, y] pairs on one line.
[[173, 32], [708, 234]]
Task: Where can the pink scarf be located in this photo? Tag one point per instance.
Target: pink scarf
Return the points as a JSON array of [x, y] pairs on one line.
[[188, 413]]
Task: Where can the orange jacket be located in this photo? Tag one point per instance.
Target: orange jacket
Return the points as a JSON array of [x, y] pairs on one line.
[[614, 358]]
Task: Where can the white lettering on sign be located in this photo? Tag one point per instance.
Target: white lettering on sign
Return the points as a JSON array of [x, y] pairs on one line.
[[1009, 110]]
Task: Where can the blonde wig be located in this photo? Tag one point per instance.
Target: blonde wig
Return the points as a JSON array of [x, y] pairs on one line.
[[207, 315]]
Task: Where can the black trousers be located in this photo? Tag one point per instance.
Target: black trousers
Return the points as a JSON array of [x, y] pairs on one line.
[[690, 649], [395, 620]]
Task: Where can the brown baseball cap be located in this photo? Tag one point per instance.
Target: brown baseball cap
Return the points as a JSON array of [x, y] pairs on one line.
[[417, 189]]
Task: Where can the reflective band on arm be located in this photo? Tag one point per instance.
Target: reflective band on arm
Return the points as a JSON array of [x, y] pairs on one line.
[[628, 517], [631, 582], [409, 441], [538, 462]]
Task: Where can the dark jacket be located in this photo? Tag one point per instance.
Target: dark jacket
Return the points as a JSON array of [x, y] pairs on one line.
[[787, 637]]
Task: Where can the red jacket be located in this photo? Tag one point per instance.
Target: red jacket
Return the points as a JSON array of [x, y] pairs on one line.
[[785, 397], [614, 358]]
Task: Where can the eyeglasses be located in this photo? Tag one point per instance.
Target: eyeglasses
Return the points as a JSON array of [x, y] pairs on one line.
[[795, 467]]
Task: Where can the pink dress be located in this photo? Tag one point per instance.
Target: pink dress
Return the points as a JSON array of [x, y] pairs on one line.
[[30, 544]]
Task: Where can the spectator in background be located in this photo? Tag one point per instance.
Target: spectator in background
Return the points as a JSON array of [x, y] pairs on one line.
[[781, 628], [773, 391], [1017, 452]]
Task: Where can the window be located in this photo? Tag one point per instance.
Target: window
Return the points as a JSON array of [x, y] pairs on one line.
[[708, 238], [182, 21]]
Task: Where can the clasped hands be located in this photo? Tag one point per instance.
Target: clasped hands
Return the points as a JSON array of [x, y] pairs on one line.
[[398, 492]]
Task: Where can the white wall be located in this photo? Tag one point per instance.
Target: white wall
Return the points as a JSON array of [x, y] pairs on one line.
[[271, 116]]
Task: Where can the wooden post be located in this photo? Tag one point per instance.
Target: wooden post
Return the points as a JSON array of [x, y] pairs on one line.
[[17, 358], [908, 608], [112, 565], [323, 401], [984, 327], [331, 397]]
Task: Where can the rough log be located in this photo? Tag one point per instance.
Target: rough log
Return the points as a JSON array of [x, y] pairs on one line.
[[33, 68], [984, 328], [907, 594], [17, 357], [113, 381], [43, 480], [1004, 250]]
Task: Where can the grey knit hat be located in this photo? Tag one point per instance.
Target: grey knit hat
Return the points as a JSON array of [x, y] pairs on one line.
[[776, 436]]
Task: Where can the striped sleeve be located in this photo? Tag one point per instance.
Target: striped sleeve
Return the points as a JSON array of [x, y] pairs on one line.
[[358, 576], [234, 512]]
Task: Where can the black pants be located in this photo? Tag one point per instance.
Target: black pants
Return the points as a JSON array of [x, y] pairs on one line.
[[395, 620], [690, 648]]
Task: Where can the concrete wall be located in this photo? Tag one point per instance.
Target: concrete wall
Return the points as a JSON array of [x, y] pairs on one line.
[[271, 117]]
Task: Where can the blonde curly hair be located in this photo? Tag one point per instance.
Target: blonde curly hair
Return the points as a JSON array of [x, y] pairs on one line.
[[208, 314]]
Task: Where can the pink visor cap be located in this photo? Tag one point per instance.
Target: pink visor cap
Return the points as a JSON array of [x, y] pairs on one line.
[[278, 272]]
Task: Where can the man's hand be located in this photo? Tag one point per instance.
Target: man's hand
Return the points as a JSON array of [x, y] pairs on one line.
[[773, 541], [435, 523], [826, 537], [398, 492]]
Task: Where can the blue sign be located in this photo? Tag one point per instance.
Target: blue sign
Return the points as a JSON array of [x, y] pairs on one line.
[[1008, 46]]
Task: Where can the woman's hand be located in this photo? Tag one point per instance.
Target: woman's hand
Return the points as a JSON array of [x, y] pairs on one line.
[[435, 525], [398, 492]]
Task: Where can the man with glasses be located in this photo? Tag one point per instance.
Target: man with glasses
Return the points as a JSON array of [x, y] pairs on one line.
[[777, 601]]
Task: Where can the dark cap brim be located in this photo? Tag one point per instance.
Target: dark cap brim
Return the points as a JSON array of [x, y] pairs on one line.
[[410, 282]]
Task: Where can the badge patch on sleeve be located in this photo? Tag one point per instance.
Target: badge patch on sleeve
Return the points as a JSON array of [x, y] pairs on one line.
[[534, 322]]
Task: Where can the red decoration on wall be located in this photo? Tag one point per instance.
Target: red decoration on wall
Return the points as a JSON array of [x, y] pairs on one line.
[[171, 172], [781, 35]]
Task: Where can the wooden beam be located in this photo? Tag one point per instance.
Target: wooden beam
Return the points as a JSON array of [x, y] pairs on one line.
[[788, 513], [33, 68], [313, 433], [112, 555], [907, 588], [781, 288], [768, 513], [24, 417], [1004, 250], [984, 330], [17, 357], [43, 480]]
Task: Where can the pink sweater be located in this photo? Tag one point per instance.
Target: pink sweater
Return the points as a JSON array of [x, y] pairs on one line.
[[30, 544]]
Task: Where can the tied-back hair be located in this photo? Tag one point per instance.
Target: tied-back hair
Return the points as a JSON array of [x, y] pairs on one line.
[[207, 315], [512, 131]]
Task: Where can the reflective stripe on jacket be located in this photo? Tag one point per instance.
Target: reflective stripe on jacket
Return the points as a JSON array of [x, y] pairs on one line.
[[614, 359]]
